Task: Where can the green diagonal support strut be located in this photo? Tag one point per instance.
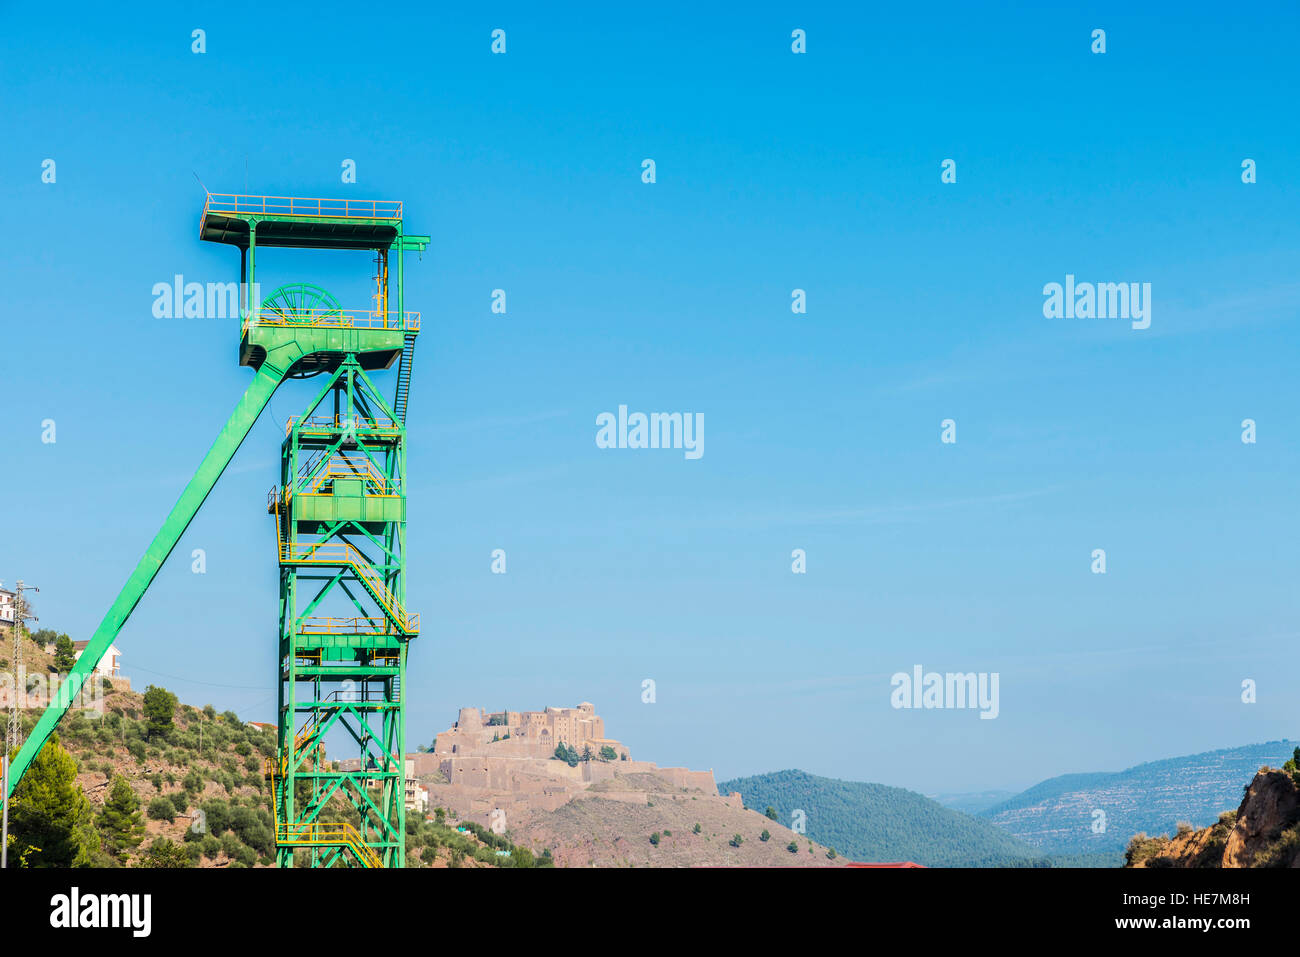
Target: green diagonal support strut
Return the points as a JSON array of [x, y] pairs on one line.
[[269, 376]]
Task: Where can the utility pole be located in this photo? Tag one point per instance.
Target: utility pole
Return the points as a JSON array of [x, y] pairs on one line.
[[14, 736], [4, 782], [4, 797], [11, 726]]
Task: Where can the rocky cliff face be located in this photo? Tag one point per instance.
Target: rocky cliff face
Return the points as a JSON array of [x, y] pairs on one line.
[[1263, 832]]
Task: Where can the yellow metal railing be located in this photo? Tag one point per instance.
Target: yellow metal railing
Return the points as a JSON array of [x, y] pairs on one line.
[[317, 833], [345, 466], [236, 203], [334, 319], [342, 626], [302, 737], [341, 553], [338, 423]]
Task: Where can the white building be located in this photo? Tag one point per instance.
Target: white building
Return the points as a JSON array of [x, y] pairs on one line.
[[110, 666], [6, 606], [417, 795]]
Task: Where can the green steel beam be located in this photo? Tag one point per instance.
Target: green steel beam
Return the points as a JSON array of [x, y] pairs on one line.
[[231, 436]]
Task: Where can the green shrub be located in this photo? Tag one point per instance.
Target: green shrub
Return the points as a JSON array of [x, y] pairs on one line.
[[162, 809], [217, 814], [164, 853], [246, 856], [523, 857], [1142, 848]]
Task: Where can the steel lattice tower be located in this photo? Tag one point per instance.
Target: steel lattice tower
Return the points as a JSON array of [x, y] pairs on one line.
[[340, 516], [340, 527]]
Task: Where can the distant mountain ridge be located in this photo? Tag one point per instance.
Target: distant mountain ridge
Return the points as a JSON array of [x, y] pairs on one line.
[[971, 802], [1059, 815], [1263, 832], [878, 823]]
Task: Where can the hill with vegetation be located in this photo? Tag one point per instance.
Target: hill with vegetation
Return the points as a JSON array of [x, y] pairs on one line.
[[877, 823], [671, 826], [150, 782], [1060, 815], [1263, 832]]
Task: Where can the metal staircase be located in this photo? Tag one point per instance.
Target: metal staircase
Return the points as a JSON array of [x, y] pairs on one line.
[[316, 833], [404, 379]]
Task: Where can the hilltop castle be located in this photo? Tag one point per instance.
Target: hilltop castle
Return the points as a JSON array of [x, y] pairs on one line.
[[505, 761], [528, 734]]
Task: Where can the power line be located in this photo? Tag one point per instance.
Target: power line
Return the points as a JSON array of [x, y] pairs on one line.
[[211, 684]]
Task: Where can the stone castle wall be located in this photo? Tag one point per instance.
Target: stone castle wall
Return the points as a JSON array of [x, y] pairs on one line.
[[472, 774]]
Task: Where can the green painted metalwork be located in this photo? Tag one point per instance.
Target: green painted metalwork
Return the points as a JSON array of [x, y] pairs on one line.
[[269, 376], [340, 520], [340, 526]]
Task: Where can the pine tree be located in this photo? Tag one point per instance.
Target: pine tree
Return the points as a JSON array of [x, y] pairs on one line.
[[51, 813], [159, 706], [164, 853], [120, 822], [18, 855], [65, 655]]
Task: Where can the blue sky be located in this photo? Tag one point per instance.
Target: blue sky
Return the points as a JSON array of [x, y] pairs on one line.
[[775, 171]]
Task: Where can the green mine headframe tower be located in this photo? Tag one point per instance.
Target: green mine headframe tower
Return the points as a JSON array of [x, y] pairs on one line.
[[340, 527]]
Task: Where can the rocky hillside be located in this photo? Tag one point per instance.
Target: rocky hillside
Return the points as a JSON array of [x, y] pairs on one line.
[[196, 785], [671, 827], [1264, 831], [1099, 812], [205, 767]]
